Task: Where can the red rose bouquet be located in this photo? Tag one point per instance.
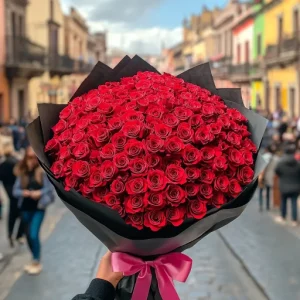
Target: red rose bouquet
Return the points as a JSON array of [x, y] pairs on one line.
[[150, 163]]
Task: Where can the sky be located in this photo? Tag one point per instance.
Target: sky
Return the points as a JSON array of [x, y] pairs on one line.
[[139, 26]]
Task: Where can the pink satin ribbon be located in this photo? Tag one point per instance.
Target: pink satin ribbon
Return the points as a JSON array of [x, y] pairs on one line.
[[169, 267]]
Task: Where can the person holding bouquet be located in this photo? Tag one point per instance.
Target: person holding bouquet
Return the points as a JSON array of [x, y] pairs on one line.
[[34, 192]]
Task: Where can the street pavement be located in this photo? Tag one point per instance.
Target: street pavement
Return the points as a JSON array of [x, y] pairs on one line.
[[250, 259]]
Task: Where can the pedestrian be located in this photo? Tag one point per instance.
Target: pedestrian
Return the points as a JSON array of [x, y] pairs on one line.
[[288, 171], [104, 286], [34, 193], [8, 179], [266, 179]]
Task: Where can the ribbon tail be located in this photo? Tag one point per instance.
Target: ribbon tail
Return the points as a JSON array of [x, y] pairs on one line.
[[142, 285], [165, 284]]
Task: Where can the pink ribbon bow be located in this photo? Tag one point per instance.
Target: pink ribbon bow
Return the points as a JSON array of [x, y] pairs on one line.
[[169, 267]]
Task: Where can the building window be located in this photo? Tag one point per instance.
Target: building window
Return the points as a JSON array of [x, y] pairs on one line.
[[280, 29], [51, 10], [296, 21], [258, 46], [247, 52], [292, 102], [21, 104], [238, 51], [21, 26]]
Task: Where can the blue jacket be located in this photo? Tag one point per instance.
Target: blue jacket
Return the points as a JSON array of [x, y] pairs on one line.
[[47, 192]]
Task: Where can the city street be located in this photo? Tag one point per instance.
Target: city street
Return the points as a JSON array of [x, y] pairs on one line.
[[252, 258]]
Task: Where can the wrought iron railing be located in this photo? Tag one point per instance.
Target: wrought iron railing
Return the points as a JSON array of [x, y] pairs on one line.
[[60, 63]]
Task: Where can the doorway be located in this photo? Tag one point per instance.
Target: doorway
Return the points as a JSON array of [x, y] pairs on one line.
[[21, 104]]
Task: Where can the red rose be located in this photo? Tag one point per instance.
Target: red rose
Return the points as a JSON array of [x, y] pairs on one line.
[[207, 110], [231, 172], [95, 179], [218, 200], [95, 157], [85, 190], [105, 108], [68, 166], [112, 200], [155, 111], [176, 215], [174, 145], [99, 136], [136, 186], [108, 170], [154, 201], [154, 143], [170, 120], [58, 169], [66, 136], [234, 138], [97, 118], [235, 157], [66, 112], [220, 163], [117, 187], [206, 190], [70, 182], [182, 113], [176, 174], [236, 115], [191, 155], [245, 175], [206, 176], [223, 145], [225, 121], [196, 209], [196, 121], [155, 219], [248, 157], [162, 130], [99, 194], [221, 184], [78, 136], [215, 128], [156, 180], [120, 210], [52, 145], [195, 106], [207, 154], [60, 127], [153, 160], [81, 150], [134, 204], [134, 148], [92, 103], [82, 123], [121, 161], [192, 173], [185, 132], [81, 169], [132, 129], [108, 151], [175, 195], [119, 141], [138, 167], [234, 188], [115, 123], [192, 189], [203, 135], [136, 220], [248, 144]]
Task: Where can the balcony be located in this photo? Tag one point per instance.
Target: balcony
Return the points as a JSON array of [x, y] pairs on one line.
[[240, 72], [82, 67], [60, 65], [221, 67], [256, 70], [24, 58], [285, 52]]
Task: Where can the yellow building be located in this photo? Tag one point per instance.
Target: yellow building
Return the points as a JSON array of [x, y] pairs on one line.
[[281, 38]]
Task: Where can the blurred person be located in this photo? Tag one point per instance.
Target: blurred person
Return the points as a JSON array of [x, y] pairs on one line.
[[8, 179], [288, 171], [283, 126], [266, 178], [34, 193], [289, 135], [103, 287]]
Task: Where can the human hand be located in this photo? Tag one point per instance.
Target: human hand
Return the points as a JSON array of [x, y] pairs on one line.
[[26, 193], [105, 271], [36, 195]]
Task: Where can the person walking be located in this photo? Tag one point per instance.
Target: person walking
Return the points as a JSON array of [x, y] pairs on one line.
[[34, 193], [8, 179], [288, 171]]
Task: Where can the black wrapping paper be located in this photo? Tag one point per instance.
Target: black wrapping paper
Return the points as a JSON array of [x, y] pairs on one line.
[[104, 222]]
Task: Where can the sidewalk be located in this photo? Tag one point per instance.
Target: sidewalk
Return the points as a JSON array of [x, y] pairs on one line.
[[268, 250]]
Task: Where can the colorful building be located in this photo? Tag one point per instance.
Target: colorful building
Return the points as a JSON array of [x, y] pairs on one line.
[[281, 39]]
